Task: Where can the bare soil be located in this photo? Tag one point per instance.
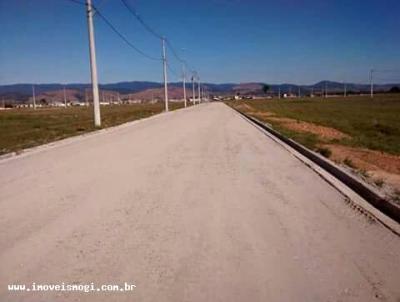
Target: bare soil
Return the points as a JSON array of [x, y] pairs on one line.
[[378, 165], [264, 114], [325, 133], [245, 107]]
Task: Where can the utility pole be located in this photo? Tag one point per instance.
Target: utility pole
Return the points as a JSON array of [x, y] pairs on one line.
[[93, 64], [345, 89], [33, 97], [184, 83], [193, 93], [198, 87], [65, 98], [371, 82], [326, 89], [299, 92], [279, 92], [164, 57]]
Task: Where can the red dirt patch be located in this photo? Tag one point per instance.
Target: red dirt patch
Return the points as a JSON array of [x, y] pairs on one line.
[[245, 107], [379, 165], [366, 159], [300, 126], [263, 114]]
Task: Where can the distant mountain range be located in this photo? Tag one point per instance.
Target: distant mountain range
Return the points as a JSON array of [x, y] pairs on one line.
[[153, 90]]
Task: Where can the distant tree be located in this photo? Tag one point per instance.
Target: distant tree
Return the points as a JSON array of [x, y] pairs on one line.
[[394, 89], [265, 88]]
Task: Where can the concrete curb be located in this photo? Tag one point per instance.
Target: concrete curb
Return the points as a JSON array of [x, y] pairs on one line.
[[343, 179]]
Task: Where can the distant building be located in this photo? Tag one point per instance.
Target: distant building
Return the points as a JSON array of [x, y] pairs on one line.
[[133, 101], [76, 103], [57, 104]]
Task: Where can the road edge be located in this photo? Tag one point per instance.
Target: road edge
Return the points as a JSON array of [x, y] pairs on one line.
[[343, 187]]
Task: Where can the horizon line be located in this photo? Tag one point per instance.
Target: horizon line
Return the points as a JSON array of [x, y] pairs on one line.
[[204, 83]]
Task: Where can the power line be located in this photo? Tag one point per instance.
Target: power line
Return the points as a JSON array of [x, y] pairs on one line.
[[148, 28], [173, 71], [77, 2], [123, 37], [133, 11], [115, 30], [175, 53], [137, 16]]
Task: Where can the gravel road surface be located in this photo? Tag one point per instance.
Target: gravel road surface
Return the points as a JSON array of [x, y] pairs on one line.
[[193, 205]]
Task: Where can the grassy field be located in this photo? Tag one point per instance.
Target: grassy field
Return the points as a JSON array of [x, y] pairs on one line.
[[370, 123], [24, 128]]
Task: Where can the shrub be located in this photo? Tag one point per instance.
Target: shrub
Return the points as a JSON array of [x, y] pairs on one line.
[[324, 152], [364, 173], [379, 182], [348, 162]]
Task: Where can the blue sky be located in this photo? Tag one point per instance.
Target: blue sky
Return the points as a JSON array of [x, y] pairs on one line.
[[297, 41]]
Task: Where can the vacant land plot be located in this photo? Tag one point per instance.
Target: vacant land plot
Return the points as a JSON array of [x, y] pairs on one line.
[[371, 123], [358, 131], [24, 128]]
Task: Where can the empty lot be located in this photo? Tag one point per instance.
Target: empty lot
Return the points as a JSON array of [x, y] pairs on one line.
[[25, 128], [193, 205], [356, 131]]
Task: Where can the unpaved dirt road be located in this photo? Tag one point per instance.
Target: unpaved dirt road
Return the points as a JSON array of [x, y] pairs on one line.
[[194, 205]]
